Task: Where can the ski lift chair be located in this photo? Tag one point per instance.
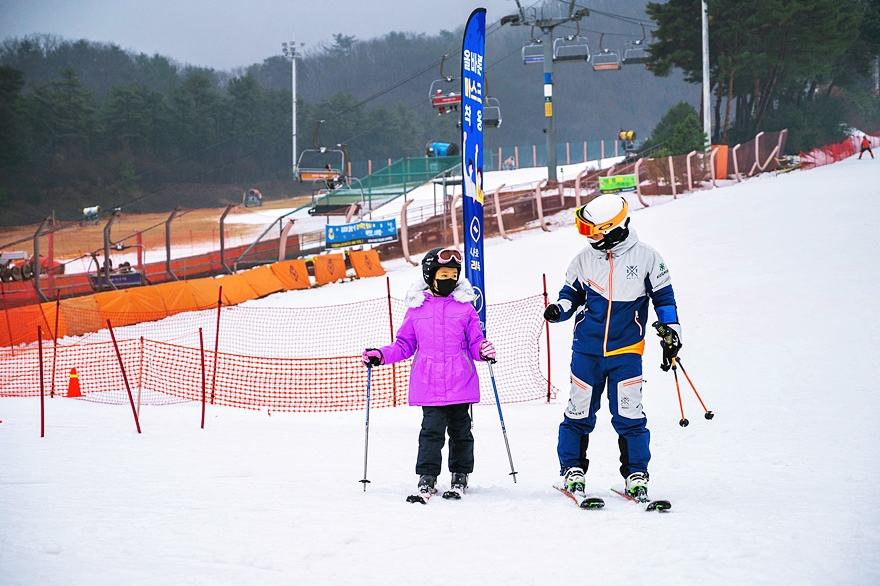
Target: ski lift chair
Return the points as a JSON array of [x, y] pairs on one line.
[[443, 95], [491, 112], [634, 52], [572, 47], [605, 59], [533, 53], [321, 163]]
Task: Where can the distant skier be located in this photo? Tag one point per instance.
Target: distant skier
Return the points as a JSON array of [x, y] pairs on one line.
[[866, 146], [607, 286], [442, 329]]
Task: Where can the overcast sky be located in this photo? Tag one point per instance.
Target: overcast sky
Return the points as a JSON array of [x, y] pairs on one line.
[[227, 33]]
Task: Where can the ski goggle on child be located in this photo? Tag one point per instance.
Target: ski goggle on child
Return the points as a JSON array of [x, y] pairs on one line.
[[588, 228], [448, 255]]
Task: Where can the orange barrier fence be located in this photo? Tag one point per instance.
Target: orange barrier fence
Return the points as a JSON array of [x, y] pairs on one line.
[[81, 315], [282, 359], [836, 152]]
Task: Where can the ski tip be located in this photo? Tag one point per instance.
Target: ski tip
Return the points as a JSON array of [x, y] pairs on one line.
[[592, 503], [415, 498], [451, 494]]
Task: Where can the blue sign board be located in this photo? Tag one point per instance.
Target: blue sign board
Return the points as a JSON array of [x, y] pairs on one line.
[[473, 83], [342, 235]]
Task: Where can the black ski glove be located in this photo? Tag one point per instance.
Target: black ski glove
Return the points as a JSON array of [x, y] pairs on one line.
[[372, 357], [670, 342], [552, 313]]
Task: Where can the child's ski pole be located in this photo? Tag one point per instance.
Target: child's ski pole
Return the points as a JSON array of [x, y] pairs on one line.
[[500, 416], [367, 430]]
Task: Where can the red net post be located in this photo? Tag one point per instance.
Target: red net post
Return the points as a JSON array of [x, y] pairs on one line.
[[55, 344], [216, 343], [42, 388], [391, 327], [547, 327], [124, 377], [202, 354]]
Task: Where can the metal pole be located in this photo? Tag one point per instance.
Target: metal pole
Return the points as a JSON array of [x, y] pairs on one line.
[[707, 106], [107, 253], [42, 387], [547, 42], [167, 244], [223, 238], [36, 265], [293, 99]]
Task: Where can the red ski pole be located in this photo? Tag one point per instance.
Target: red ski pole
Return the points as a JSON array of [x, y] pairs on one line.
[[708, 414], [683, 422]]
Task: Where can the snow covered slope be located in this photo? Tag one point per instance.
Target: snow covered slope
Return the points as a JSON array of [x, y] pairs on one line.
[[776, 285]]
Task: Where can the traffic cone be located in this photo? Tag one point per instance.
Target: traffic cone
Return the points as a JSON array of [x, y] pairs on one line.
[[73, 385]]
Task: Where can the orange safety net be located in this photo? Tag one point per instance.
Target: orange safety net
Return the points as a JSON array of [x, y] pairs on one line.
[[833, 153], [293, 274], [329, 268], [126, 307], [282, 359], [366, 263]]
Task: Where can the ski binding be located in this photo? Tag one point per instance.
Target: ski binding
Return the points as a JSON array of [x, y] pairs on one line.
[[660, 505], [581, 500], [421, 497]]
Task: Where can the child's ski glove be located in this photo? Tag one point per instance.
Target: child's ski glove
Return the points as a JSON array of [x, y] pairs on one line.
[[372, 357], [487, 351]]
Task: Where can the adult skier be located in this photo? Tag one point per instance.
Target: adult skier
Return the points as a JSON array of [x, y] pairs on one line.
[[607, 287], [866, 146], [442, 329]]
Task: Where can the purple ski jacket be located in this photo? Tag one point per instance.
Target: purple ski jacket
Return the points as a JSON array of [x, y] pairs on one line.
[[445, 336]]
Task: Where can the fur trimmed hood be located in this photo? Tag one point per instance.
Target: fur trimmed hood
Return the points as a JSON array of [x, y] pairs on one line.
[[463, 293]]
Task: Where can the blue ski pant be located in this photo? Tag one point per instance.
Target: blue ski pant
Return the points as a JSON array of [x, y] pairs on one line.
[[590, 375]]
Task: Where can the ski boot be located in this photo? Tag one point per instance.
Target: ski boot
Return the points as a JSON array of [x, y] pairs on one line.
[[573, 481], [573, 485], [427, 489], [457, 486], [637, 486]]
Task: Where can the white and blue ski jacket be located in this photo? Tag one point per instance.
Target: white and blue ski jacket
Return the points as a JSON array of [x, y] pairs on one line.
[[608, 293]]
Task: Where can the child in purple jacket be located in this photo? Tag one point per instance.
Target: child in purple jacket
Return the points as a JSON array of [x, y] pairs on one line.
[[442, 329]]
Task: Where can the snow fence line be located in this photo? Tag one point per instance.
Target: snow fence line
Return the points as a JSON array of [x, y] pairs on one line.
[[834, 153], [164, 360]]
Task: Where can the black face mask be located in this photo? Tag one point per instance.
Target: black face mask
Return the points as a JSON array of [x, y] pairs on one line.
[[613, 238], [444, 287]]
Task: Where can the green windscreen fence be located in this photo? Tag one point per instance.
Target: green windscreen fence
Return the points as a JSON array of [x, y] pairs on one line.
[[386, 184]]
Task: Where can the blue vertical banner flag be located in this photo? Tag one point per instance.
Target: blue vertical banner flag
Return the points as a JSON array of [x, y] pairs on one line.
[[473, 52]]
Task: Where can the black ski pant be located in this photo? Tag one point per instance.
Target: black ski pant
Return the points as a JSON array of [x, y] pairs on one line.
[[436, 421]]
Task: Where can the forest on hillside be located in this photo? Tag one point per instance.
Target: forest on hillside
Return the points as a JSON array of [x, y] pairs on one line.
[[86, 123]]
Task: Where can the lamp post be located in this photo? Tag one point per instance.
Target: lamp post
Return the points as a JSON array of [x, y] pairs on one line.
[[707, 111], [291, 52]]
